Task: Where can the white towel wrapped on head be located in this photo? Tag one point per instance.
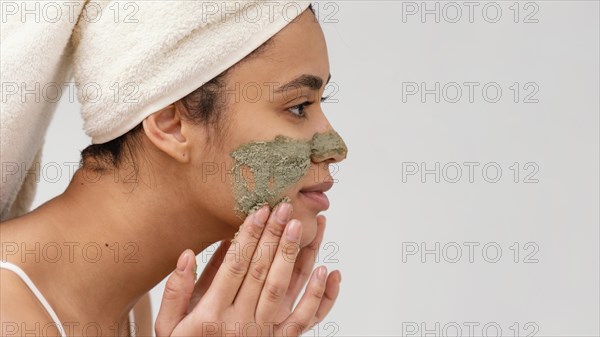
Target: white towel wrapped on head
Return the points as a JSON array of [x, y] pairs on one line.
[[171, 49]]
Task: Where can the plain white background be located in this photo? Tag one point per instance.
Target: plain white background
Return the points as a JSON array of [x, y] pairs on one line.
[[474, 253]]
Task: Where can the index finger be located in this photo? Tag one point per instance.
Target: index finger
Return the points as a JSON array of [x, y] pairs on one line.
[[304, 265], [230, 275]]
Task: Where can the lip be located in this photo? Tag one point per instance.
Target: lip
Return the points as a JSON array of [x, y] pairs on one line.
[[315, 194], [321, 187], [317, 198]]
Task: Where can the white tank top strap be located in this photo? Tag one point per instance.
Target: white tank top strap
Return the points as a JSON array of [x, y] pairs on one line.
[[131, 323], [36, 292]]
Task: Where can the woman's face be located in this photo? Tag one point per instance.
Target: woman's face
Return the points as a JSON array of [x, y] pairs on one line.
[[259, 108]]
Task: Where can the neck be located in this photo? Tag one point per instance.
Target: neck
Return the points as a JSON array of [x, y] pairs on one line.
[[121, 241]]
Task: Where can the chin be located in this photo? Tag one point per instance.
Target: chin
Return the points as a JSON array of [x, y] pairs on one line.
[[309, 230], [308, 218]]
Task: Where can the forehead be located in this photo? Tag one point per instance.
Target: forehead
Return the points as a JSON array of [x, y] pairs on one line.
[[299, 48]]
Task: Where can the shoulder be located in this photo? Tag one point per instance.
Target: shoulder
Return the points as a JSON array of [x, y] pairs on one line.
[[21, 313]]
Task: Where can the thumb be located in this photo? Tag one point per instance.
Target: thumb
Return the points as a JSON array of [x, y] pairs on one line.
[[177, 294]]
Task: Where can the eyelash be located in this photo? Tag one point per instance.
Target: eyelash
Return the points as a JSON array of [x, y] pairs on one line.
[[303, 106]]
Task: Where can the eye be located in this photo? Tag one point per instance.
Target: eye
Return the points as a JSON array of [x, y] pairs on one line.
[[299, 110]]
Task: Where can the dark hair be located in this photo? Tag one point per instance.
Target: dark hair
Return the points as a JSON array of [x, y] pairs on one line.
[[203, 106]]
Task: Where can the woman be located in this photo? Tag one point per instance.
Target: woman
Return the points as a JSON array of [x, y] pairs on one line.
[[166, 187]]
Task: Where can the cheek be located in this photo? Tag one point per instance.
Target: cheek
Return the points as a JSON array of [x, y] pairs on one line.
[[264, 171], [212, 186]]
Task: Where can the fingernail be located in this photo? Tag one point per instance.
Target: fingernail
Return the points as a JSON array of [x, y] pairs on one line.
[[340, 273], [293, 230], [321, 273], [260, 216], [283, 212], [182, 261]]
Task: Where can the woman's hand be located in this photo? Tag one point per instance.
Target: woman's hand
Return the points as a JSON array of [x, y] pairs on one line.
[[249, 287]]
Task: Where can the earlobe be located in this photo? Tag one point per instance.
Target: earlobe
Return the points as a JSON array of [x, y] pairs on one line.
[[164, 129]]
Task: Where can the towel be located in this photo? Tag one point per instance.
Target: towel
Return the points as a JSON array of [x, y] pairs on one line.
[[127, 59], [34, 55]]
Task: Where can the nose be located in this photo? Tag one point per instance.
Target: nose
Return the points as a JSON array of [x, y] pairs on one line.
[[328, 147]]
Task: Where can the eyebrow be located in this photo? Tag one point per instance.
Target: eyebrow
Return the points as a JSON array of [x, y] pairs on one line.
[[311, 82]]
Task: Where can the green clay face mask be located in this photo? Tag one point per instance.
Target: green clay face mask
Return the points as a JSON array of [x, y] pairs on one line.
[[276, 165]]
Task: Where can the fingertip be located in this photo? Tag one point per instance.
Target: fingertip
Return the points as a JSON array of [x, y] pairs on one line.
[[338, 275], [260, 215], [293, 230], [321, 273], [184, 259], [333, 284], [191, 255]]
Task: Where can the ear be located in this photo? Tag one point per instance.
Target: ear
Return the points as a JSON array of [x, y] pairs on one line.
[[166, 131]]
